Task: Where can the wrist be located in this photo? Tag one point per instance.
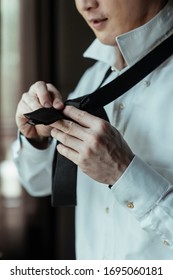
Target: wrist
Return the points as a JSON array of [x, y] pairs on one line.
[[120, 170]]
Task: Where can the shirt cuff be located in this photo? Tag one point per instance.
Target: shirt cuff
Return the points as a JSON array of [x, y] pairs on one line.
[[140, 188], [26, 148], [34, 166]]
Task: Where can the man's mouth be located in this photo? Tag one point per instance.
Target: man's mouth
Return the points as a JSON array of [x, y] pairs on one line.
[[98, 23]]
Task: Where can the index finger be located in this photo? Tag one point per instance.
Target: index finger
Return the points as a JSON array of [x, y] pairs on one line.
[[57, 100], [82, 117], [40, 90], [47, 95]]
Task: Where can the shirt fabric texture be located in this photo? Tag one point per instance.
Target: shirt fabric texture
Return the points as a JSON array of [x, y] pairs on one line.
[[133, 219]]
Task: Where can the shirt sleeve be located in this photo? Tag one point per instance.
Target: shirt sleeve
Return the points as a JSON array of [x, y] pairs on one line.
[[148, 196], [34, 166]]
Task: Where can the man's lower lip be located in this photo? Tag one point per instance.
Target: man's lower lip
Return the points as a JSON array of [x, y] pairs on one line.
[[98, 24]]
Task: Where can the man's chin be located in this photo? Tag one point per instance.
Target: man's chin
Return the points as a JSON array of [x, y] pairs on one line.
[[107, 42]]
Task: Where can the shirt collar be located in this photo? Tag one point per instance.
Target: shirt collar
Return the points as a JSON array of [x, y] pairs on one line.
[[139, 41]]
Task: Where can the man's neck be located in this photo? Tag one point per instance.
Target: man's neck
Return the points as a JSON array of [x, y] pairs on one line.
[[120, 62]]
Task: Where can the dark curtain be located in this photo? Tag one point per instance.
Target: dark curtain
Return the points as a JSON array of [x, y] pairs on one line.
[[50, 50], [38, 41], [1, 148]]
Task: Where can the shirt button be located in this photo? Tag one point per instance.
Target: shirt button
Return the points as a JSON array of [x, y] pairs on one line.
[[147, 83], [107, 210], [113, 69], [121, 106], [166, 243], [130, 205]]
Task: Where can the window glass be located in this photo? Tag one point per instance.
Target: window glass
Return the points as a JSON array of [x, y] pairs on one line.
[[9, 92]]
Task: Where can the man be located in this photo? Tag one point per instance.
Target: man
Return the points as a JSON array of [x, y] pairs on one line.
[[133, 152]]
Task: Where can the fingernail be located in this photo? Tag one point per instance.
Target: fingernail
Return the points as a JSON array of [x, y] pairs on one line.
[[53, 132], [58, 104], [47, 105]]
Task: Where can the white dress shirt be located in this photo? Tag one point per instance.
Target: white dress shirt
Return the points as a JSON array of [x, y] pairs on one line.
[[133, 219]]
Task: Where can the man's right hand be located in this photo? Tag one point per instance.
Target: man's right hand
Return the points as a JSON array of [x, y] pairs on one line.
[[39, 95]]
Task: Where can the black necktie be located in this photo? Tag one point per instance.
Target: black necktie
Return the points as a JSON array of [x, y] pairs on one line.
[[64, 171], [64, 174]]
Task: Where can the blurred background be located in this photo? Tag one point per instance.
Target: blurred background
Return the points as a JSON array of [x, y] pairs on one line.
[[39, 40]]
